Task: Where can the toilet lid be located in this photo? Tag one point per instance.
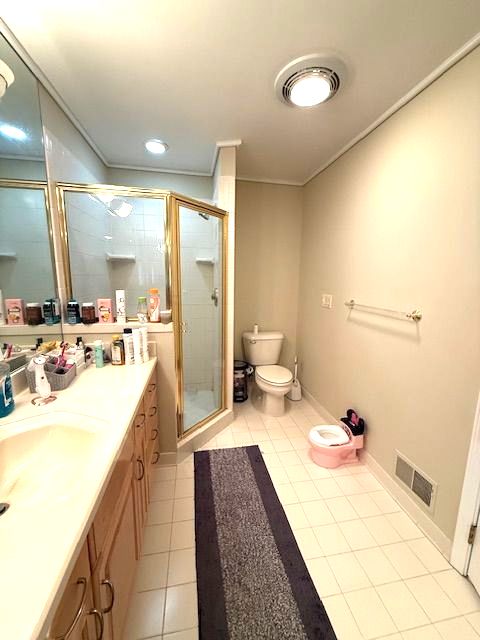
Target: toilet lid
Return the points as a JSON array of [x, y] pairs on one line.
[[328, 435], [274, 374]]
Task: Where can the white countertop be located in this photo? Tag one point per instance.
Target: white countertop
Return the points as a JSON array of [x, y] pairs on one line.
[[40, 540]]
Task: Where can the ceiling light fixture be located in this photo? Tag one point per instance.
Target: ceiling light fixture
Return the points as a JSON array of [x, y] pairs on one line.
[[6, 77], [12, 132], [310, 80], [156, 146]]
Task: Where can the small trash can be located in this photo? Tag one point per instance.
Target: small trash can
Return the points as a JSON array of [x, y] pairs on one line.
[[240, 380]]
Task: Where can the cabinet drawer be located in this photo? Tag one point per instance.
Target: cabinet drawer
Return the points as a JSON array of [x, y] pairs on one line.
[[139, 424], [104, 518], [151, 432], [150, 396]]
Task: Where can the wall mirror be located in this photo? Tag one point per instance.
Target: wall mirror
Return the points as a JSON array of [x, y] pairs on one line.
[[27, 274]]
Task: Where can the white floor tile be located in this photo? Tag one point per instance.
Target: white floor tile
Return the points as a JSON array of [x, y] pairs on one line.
[[271, 460], [404, 525], [348, 572], [370, 614], [164, 473], [322, 577], [404, 560], [401, 605], [297, 473], [432, 598], [456, 629], [181, 567], [474, 620], [190, 634], [183, 535], [317, 513], [350, 485], [145, 615], [160, 512], [384, 502], [278, 476], [183, 509], [369, 482], [151, 572], [341, 618], [331, 539], [276, 433], [299, 443], [156, 538], [184, 488], [364, 505], [328, 488], [459, 590], [286, 494], [316, 472], [282, 445], [308, 544], [163, 490], [341, 509], [377, 566], [423, 633], [259, 436], [296, 516], [267, 447], [381, 530], [429, 555], [306, 490], [289, 458], [180, 608], [357, 534]]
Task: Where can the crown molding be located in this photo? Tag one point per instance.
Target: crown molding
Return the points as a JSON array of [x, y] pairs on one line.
[[203, 174], [287, 183]]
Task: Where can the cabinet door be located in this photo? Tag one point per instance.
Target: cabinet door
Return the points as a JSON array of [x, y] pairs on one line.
[[116, 572], [75, 618]]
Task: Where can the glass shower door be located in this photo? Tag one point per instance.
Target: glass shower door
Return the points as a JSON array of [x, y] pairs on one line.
[[201, 311]]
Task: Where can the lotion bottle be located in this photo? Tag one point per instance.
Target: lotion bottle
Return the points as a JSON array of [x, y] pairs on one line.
[[128, 346]]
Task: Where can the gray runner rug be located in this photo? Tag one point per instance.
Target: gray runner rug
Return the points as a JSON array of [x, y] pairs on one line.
[[251, 578]]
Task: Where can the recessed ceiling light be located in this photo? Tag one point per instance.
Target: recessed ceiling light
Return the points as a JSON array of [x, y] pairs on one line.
[[310, 80], [156, 146], [12, 132]]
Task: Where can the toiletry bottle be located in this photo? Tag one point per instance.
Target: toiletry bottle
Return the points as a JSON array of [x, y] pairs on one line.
[[88, 313], [144, 339], [2, 309], [6, 395], [34, 313], [98, 344], [51, 311], [137, 347], [120, 305], [142, 309], [73, 312], [128, 346], [153, 306], [15, 310], [118, 351], [105, 311]]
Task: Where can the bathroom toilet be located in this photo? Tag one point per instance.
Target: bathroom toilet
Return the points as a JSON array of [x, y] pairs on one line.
[[333, 445], [262, 350]]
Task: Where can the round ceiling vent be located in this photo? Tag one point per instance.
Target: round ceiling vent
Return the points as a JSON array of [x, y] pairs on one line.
[[310, 80]]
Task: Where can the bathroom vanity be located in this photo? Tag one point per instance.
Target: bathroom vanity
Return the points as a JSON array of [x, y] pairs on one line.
[[77, 475]]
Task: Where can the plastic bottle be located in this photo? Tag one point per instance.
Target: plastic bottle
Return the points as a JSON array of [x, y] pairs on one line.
[[98, 354], [118, 350], [137, 347], [153, 306], [128, 346], [142, 309], [144, 339], [7, 403], [73, 312]]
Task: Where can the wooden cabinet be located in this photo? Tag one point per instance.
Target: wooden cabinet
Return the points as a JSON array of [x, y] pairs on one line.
[[76, 618], [95, 602]]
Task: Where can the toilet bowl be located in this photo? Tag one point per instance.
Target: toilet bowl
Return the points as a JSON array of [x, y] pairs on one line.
[[275, 382], [333, 445]]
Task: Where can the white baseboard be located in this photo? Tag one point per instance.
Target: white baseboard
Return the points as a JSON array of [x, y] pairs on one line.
[[198, 438], [421, 519]]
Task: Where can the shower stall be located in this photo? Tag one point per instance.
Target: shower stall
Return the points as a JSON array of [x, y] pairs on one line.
[[135, 239]]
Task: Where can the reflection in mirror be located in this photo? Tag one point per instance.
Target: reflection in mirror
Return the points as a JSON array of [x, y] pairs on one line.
[[21, 141], [115, 243], [27, 277]]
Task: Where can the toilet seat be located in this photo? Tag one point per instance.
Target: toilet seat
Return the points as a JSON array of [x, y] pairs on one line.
[[274, 374], [329, 435]]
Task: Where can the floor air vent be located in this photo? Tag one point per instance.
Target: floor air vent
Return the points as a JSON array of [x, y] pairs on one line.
[[415, 480]]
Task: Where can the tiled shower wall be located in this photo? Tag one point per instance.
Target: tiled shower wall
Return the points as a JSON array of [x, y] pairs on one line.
[[29, 274]]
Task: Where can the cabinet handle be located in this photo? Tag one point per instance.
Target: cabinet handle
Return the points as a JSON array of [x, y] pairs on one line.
[[78, 613], [152, 386], [142, 467], [154, 431], [140, 424], [108, 583], [154, 411], [99, 616], [156, 453]]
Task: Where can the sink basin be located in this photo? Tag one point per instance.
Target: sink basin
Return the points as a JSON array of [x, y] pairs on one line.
[[46, 459]]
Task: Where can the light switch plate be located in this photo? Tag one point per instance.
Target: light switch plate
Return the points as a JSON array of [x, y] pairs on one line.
[[327, 300]]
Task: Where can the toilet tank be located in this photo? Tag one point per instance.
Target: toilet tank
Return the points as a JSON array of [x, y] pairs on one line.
[[263, 347]]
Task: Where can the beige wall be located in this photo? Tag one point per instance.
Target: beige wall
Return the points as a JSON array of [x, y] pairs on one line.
[[268, 232], [395, 223]]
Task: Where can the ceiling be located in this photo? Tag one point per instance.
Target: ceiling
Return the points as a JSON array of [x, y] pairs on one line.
[[194, 73]]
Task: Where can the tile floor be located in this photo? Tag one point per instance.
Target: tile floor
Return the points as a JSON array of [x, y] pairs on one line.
[[377, 574]]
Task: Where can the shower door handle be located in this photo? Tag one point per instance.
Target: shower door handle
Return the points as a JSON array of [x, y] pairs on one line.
[[184, 327], [214, 296]]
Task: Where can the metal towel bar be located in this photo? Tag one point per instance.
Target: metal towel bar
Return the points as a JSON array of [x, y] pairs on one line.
[[415, 315]]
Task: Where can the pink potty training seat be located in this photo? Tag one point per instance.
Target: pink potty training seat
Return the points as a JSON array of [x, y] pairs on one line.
[[333, 445]]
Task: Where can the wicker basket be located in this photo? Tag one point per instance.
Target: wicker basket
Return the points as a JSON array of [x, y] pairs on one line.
[[58, 381]]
